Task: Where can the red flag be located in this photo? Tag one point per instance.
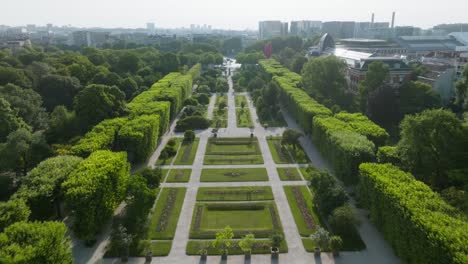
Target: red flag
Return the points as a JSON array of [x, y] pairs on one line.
[[268, 50]]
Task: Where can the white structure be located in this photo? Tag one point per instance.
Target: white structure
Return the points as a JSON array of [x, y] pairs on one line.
[[150, 28]]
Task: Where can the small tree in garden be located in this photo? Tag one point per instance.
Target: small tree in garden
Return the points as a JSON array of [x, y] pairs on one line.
[[321, 237], [242, 105], [276, 240], [246, 244], [223, 239], [291, 137], [122, 241], [335, 244], [189, 136], [343, 219], [222, 105]]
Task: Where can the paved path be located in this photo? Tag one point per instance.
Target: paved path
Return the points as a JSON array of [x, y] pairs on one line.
[[211, 106], [378, 251]]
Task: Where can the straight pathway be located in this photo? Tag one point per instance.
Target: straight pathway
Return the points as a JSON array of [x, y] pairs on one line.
[[211, 106]]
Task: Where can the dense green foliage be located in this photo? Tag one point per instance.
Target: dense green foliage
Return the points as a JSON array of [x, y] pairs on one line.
[[419, 225], [12, 211], [138, 137], [95, 189], [36, 242]]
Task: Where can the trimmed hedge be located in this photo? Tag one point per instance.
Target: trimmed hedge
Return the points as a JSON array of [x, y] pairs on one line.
[[344, 148], [195, 71], [362, 125], [102, 136], [94, 189], [139, 137], [388, 154], [153, 108], [417, 222]]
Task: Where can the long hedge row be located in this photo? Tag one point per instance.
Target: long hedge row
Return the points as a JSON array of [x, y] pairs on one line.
[[417, 222], [345, 139]]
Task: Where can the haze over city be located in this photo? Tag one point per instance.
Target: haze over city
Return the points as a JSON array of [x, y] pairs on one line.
[[239, 14]]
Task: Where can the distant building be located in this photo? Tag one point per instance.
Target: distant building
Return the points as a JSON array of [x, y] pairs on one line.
[[305, 28], [418, 46], [378, 47], [89, 38], [339, 29], [150, 28], [270, 29], [407, 31]]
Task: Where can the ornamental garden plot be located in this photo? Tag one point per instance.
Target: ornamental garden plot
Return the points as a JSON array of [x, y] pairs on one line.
[[225, 151]]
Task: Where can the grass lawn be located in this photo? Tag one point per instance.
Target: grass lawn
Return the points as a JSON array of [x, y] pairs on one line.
[[309, 245], [289, 174], [178, 175], [243, 117], [163, 220], [302, 209], [240, 99], [234, 193], [220, 118], [160, 248], [261, 246], [168, 161], [186, 154], [225, 151], [234, 175], [286, 154], [258, 218]]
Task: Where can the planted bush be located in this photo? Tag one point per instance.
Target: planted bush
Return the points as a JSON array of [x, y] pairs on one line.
[[192, 123], [388, 154], [420, 226], [364, 126]]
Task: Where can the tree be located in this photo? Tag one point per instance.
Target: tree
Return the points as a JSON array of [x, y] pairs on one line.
[[203, 99], [152, 176], [14, 76], [336, 243], [291, 137], [429, 145], [298, 63], [223, 240], [36, 242], [97, 102], [41, 188], [276, 240], [383, 107], [8, 120], [416, 97], [190, 101], [128, 62], [321, 237], [343, 219], [247, 243], [324, 79], [58, 90], [62, 125], [170, 63], [462, 88], [12, 211], [27, 103], [329, 195], [129, 87], [378, 73], [23, 150], [189, 136]]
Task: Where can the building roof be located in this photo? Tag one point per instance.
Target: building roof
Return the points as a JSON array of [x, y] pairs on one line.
[[461, 37], [429, 43]]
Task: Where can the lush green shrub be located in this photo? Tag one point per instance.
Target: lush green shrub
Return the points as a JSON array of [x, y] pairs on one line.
[[192, 123], [152, 176], [153, 108], [328, 193], [36, 242], [12, 211], [420, 226], [189, 136], [94, 189], [388, 154], [138, 137], [102, 136], [362, 125], [41, 188]]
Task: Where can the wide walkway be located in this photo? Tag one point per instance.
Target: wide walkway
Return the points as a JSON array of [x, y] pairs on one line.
[[377, 250]]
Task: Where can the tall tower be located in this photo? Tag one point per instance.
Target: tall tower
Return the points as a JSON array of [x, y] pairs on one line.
[[393, 20], [372, 21]]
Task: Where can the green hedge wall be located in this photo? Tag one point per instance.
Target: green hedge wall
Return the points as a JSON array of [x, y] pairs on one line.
[[420, 226], [153, 108], [388, 154], [195, 71], [94, 189], [342, 147], [138, 137], [102, 136], [362, 125]]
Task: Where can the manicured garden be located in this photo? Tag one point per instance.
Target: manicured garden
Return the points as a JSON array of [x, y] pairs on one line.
[[302, 208], [234, 175], [169, 152], [234, 193], [286, 154], [258, 218], [177, 175], [243, 117], [225, 151], [289, 174], [187, 152], [220, 113], [241, 100], [260, 246], [163, 219]]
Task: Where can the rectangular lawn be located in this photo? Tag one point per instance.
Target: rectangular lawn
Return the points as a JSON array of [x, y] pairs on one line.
[[234, 193], [289, 174], [240, 99], [243, 117], [225, 151], [302, 208], [187, 152], [286, 154], [234, 175], [178, 175]]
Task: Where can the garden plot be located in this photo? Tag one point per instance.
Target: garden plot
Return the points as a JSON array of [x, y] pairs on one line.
[[225, 151], [286, 154], [234, 193], [234, 175]]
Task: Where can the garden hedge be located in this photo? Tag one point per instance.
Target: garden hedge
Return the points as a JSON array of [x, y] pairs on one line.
[[416, 221], [138, 137], [388, 154], [94, 189], [102, 136], [362, 125], [344, 148], [153, 108]]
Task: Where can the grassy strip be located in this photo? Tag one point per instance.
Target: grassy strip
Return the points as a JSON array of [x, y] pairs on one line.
[[178, 175], [168, 161], [234, 175], [234, 193], [187, 152], [258, 218], [279, 156], [304, 230], [239, 99], [220, 98], [243, 117], [289, 174], [261, 246], [233, 160], [160, 248], [171, 215], [309, 245]]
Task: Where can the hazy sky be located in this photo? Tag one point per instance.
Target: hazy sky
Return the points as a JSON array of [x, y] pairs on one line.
[[235, 14]]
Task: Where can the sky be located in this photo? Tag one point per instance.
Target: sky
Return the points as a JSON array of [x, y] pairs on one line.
[[225, 14]]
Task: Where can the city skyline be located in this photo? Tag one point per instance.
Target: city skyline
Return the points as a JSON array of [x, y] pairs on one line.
[[225, 15]]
